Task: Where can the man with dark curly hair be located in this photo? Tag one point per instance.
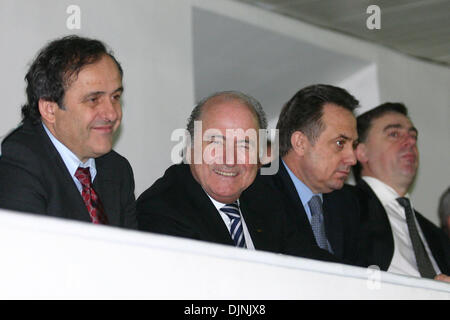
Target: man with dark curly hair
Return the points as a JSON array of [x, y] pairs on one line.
[[59, 161]]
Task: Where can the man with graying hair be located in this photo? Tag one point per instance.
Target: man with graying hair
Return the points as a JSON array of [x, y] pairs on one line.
[[398, 238], [218, 196]]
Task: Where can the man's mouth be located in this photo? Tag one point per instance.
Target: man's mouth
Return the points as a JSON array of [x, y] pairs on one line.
[[343, 173], [104, 129], [409, 157], [225, 173]]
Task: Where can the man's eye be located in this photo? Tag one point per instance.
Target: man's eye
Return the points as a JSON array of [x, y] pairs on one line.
[[393, 134], [340, 144], [117, 97], [92, 100]]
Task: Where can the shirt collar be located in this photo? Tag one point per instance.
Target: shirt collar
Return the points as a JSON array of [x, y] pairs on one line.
[[384, 192], [217, 204], [69, 158], [303, 191]]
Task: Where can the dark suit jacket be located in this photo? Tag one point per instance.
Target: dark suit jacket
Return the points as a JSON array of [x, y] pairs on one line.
[[34, 179], [341, 216], [377, 248], [177, 205]]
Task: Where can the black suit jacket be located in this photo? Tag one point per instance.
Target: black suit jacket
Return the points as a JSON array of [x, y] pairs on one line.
[[377, 247], [34, 179], [177, 205], [341, 216]]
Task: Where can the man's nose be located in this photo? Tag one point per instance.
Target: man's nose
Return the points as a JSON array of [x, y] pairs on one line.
[[409, 140], [230, 154], [350, 156], [110, 111]]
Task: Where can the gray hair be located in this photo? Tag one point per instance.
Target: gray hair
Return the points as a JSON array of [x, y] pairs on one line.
[[246, 99]]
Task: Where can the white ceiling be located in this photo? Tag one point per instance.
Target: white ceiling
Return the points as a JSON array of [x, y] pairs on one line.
[[419, 28]]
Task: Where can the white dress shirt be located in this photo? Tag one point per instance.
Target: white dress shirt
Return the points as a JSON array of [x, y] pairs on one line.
[[71, 160], [227, 221], [404, 260]]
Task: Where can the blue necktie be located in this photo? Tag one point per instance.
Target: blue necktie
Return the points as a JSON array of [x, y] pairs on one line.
[[317, 223], [237, 235]]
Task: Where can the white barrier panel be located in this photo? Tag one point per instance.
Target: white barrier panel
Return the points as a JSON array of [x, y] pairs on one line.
[[48, 258]]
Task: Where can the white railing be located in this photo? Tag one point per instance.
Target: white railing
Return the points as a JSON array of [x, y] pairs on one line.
[[48, 258]]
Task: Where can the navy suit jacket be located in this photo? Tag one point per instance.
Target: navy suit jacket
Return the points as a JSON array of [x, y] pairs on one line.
[[341, 216], [34, 179], [177, 205], [377, 248]]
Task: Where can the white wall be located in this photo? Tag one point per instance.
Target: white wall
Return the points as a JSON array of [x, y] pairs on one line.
[[153, 40], [54, 258], [364, 85]]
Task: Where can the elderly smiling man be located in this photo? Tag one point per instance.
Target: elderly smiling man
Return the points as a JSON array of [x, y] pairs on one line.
[[218, 197]]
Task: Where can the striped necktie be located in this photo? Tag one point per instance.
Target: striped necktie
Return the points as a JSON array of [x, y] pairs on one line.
[[237, 235], [91, 200]]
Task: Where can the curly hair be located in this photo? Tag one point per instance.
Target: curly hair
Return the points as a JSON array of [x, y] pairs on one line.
[[56, 67]]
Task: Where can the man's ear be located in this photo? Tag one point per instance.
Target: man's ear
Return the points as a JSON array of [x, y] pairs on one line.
[[47, 110], [361, 153], [299, 142]]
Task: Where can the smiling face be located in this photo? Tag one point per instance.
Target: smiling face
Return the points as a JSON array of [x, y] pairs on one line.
[[325, 164], [91, 110], [390, 151], [226, 169]]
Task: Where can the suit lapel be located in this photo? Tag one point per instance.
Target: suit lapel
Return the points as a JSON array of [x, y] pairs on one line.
[[289, 187], [434, 242], [380, 234], [254, 215], [76, 205], [108, 191], [334, 226], [210, 223], [297, 211]]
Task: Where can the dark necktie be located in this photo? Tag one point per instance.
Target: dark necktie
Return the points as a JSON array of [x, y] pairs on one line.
[[237, 235], [90, 197], [317, 223], [424, 265]]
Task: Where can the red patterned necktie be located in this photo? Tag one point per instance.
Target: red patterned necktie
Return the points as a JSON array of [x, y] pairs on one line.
[[90, 197]]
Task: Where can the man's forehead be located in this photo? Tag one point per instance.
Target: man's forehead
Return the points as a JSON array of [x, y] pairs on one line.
[[339, 122], [103, 69], [392, 120], [228, 113], [221, 103]]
